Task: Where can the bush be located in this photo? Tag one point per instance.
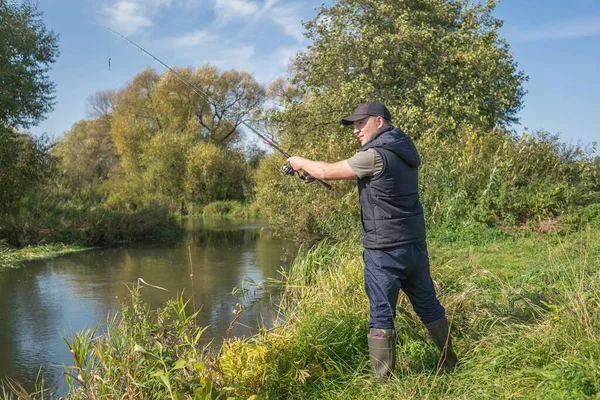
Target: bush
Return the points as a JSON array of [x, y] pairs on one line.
[[479, 178], [230, 208], [306, 211], [91, 224], [498, 178], [144, 354]]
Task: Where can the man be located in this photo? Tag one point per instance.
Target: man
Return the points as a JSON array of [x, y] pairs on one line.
[[395, 251]]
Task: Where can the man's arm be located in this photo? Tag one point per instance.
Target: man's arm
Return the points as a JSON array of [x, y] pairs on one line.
[[323, 170]]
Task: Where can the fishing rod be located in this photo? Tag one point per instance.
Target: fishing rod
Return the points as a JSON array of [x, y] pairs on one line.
[[286, 169]]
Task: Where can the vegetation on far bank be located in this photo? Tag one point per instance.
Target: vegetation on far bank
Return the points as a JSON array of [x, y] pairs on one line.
[[11, 257]]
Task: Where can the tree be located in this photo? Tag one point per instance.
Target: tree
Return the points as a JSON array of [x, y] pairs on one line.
[[438, 65], [87, 153], [166, 157], [158, 123], [596, 170], [27, 49], [101, 105], [215, 173], [25, 163]]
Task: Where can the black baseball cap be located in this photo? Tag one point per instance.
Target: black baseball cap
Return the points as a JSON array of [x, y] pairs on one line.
[[372, 108]]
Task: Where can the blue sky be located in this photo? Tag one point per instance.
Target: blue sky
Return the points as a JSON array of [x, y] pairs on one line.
[[556, 43]]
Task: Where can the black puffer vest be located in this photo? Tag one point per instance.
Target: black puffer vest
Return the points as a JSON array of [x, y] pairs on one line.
[[390, 211]]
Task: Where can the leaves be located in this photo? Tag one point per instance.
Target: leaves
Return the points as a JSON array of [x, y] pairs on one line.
[[27, 50]]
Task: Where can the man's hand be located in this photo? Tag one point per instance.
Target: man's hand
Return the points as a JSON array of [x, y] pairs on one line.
[[322, 170], [296, 162]]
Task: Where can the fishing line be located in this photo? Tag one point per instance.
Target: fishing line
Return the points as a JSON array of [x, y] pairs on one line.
[[108, 43]]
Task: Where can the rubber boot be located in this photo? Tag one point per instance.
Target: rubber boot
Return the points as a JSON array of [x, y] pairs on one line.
[[382, 352], [439, 332]]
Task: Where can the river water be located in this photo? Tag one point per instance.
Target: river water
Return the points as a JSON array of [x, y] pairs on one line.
[[45, 299]]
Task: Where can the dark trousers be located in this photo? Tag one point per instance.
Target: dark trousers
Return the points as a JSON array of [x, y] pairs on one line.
[[407, 268]]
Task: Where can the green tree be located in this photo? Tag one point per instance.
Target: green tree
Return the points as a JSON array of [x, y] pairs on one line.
[[25, 164], [153, 103], [87, 154], [27, 49], [215, 173], [438, 65], [596, 171], [159, 123], [166, 157]]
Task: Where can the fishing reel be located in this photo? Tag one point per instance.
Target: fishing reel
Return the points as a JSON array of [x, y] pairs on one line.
[[305, 176], [287, 170]]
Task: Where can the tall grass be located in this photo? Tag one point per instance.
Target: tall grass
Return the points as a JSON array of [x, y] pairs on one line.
[[142, 354], [525, 316]]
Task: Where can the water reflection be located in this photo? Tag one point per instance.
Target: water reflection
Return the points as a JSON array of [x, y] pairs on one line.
[[47, 298]]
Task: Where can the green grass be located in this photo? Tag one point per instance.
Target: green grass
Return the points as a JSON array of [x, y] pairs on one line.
[[524, 313], [12, 258]]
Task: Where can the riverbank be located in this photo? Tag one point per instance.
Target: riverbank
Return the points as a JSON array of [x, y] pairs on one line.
[[79, 231], [525, 312]]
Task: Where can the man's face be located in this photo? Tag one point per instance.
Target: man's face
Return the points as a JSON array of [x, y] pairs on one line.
[[366, 128]]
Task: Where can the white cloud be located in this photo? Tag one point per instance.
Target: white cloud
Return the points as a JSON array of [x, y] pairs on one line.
[[130, 16], [569, 29], [127, 17], [192, 39], [288, 18], [226, 10]]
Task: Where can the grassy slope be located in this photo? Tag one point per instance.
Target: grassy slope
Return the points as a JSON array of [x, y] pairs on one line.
[[524, 313]]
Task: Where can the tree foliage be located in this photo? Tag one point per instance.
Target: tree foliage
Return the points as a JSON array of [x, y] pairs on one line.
[[87, 153], [438, 65], [152, 103], [145, 141], [215, 173], [27, 49], [25, 161]]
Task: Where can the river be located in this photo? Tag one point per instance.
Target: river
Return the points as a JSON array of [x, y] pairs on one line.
[[46, 299]]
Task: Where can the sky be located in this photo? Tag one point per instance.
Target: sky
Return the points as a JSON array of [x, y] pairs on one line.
[[555, 42]]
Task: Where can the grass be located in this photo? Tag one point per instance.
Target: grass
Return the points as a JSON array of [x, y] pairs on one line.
[[525, 314], [524, 311], [230, 209], [11, 257]]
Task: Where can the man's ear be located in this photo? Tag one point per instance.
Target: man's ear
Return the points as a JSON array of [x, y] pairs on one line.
[[380, 122]]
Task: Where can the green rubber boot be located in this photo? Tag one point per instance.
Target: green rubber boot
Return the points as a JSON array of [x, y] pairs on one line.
[[382, 352], [439, 331]]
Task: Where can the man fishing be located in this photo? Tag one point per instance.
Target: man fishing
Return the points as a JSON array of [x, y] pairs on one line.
[[395, 250]]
